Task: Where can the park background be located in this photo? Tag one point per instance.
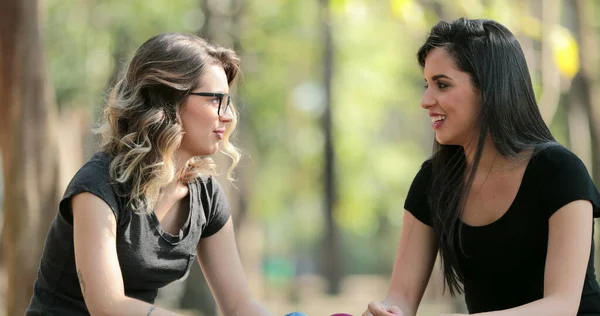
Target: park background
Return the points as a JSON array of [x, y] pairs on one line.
[[330, 124]]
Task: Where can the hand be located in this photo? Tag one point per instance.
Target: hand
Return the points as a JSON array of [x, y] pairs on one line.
[[379, 309]]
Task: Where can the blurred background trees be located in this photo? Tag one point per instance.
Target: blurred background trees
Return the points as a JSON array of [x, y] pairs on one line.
[[330, 124]]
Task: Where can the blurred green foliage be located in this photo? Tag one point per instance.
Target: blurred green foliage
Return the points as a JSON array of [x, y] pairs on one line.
[[381, 134]]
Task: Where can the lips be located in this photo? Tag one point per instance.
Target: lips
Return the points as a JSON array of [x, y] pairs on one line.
[[437, 119], [220, 132]]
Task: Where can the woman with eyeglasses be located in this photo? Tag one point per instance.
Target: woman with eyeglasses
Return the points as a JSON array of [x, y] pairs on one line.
[[146, 206], [508, 209]]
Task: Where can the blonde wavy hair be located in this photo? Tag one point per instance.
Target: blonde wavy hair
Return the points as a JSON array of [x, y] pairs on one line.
[[140, 126]]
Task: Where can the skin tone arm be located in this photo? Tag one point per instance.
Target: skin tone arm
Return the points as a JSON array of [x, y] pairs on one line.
[[220, 262], [100, 277], [570, 232], [415, 257]]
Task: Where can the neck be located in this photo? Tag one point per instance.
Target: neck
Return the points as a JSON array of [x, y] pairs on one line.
[[489, 156], [492, 160], [180, 159]]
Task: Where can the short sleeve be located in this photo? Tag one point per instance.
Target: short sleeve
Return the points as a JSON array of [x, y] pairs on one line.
[[568, 180], [417, 199], [92, 177], [218, 211]]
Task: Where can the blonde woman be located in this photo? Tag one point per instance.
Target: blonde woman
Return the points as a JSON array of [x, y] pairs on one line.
[[144, 208]]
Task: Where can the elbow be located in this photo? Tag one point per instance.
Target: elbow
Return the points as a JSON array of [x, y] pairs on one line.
[[571, 310], [567, 311], [248, 307], [103, 307], [99, 310], [566, 306]]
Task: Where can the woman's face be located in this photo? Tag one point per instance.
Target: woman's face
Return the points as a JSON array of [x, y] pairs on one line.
[[451, 99], [203, 127]]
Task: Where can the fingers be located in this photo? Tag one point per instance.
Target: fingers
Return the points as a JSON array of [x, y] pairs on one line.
[[395, 310], [378, 309]]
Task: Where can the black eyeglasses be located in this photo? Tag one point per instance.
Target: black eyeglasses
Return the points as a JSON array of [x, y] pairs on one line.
[[224, 100]]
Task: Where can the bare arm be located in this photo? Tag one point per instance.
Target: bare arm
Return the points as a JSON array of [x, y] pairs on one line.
[[94, 234], [415, 257], [569, 247], [218, 256]]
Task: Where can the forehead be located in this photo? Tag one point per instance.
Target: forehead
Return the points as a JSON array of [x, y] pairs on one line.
[[214, 79], [439, 60]]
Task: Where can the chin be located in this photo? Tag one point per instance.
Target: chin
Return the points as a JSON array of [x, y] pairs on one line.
[[444, 140], [439, 139], [209, 151]]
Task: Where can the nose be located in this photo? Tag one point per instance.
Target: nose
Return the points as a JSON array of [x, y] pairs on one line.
[[226, 117], [427, 100]]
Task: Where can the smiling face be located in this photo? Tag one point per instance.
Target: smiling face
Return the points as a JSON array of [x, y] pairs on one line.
[[202, 126], [451, 99]]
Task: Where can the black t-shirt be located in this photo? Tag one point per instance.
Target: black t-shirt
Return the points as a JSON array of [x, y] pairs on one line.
[[503, 263], [149, 257]]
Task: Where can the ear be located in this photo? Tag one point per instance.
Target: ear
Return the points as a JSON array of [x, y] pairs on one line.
[[179, 109]]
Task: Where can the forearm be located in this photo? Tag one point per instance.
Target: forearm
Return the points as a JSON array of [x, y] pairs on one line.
[[548, 306], [129, 306], [250, 308]]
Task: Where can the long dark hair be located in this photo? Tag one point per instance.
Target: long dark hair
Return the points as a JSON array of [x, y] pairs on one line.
[[509, 114]]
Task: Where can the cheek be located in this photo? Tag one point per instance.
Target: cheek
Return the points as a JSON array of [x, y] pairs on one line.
[[464, 106], [474, 107], [197, 119]]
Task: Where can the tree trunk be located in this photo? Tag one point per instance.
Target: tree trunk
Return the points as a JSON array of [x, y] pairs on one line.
[[590, 81], [29, 148], [332, 268], [220, 27], [550, 76], [589, 86], [578, 115], [576, 101]]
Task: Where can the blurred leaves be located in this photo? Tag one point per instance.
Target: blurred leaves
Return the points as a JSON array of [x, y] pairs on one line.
[[381, 134], [410, 12], [566, 52], [82, 36]]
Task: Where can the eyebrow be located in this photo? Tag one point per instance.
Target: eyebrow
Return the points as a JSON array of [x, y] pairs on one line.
[[436, 77], [204, 91]]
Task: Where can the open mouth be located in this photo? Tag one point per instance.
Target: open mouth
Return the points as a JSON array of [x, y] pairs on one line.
[[438, 118]]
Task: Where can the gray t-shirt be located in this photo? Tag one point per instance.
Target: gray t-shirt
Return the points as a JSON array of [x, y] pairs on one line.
[[149, 257]]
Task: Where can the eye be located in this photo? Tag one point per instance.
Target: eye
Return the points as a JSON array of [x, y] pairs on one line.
[[442, 85], [215, 101]]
